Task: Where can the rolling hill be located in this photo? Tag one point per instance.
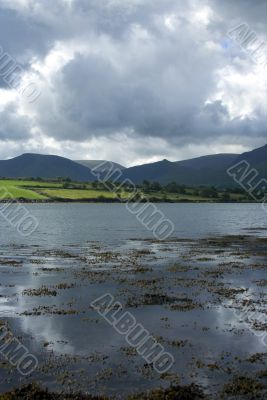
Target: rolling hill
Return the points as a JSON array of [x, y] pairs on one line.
[[207, 170], [44, 166], [210, 170], [257, 159], [101, 165], [211, 161]]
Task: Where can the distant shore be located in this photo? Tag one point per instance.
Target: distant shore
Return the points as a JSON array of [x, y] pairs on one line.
[[118, 201], [65, 191]]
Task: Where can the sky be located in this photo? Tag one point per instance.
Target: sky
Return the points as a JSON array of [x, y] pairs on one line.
[[132, 81]]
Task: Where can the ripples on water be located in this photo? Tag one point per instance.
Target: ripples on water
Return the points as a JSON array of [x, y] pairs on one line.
[[82, 251]]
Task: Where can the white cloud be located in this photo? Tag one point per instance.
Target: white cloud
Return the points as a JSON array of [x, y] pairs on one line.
[[134, 81]]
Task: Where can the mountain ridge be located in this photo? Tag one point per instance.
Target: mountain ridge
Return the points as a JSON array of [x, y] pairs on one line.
[[101, 165], [205, 170], [32, 165], [210, 170]]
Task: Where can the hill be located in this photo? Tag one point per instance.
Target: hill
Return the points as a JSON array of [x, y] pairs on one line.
[[207, 170], [211, 161], [44, 166], [105, 166], [257, 159]]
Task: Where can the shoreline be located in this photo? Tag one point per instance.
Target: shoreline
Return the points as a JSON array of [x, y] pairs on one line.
[[201, 280], [24, 191], [33, 391], [118, 201]]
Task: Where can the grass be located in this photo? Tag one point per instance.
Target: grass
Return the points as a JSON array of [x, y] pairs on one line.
[[10, 189], [39, 190], [75, 194], [34, 184], [51, 191], [178, 197]]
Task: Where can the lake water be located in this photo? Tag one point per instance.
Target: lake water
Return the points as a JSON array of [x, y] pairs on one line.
[[187, 291], [78, 223]]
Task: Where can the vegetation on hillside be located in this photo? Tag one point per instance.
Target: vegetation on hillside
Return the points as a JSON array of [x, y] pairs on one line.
[[65, 190]]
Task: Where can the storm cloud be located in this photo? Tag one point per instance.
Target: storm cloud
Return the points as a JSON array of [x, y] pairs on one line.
[[132, 80]]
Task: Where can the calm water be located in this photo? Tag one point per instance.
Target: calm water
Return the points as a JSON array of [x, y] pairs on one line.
[[95, 249], [78, 223]]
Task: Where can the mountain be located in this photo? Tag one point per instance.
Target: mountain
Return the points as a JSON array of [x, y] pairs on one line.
[[256, 158], [212, 161], [207, 170], [102, 166], [44, 166]]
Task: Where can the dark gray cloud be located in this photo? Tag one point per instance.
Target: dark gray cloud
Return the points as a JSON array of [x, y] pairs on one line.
[[22, 36], [12, 126], [151, 71]]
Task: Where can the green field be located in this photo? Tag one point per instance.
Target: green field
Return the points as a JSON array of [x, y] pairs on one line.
[[12, 189], [26, 190], [76, 194], [34, 190]]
